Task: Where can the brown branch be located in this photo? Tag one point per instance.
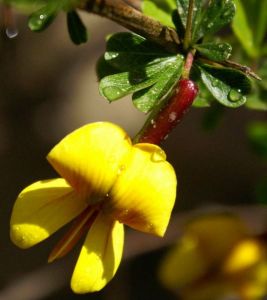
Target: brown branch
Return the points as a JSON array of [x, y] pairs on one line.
[[132, 19]]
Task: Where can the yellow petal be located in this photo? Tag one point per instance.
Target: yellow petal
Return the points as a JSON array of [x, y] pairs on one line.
[[41, 209], [243, 256], [100, 256], [254, 286], [183, 265], [144, 192], [89, 158], [217, 234]]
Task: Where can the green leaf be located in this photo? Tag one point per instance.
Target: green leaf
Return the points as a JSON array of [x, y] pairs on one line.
[[258, 98], [103, 68], [226, 85], [76, 28], [26, 6], [182, 8], [145, 100], [159, 10], [180, 15], [215, 51], [263, 74], [215, 16], [243, 30], [257, 135], [201, 102], [127, 50], [262, 22], [42, 18], [203, 98], [116, 86], [254, 101], [165, 5]]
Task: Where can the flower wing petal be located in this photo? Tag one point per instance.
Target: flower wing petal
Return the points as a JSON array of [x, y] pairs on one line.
[[100, 256], [41, 209], [144, 193], [89, 157]]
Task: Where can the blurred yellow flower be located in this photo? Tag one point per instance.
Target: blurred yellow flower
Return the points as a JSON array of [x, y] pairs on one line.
[[216, 258], [106, 181]]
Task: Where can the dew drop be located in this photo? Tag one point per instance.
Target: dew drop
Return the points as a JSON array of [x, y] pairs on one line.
[[41, 19], [158, 156], [121, 169], [172, 117], [124, 213], [149, 227], [210, 25], [215, 82], [165, 137], [11, 32], [235, 95], [10, 22]]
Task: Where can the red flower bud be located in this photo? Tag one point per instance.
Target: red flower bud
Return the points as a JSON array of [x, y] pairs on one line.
[[172, 113]]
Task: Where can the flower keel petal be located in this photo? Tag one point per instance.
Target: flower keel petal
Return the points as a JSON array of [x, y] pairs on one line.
[[100, 256]]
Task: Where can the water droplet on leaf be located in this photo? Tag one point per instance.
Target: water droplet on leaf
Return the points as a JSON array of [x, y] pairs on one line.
[[11, 32], [235, 95], [41, 19], [215, 82]]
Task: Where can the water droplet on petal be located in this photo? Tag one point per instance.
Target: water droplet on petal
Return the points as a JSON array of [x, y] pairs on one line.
[[124, 213], [121, 169], [149, 227], [158, 156]]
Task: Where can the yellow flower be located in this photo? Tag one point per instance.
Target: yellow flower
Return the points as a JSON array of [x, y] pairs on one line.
[[216, 257], [106, 181]]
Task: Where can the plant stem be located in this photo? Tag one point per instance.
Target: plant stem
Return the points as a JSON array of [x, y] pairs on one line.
[[188, 64], [125, 15], [188, 30]]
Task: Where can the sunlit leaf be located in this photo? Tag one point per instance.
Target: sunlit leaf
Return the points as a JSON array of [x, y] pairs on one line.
[[227, 85], [159, 10], [42, 18], [218, 14], [146, 99], [243, 30], [180, 15], [215, 51], [116, 86]]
